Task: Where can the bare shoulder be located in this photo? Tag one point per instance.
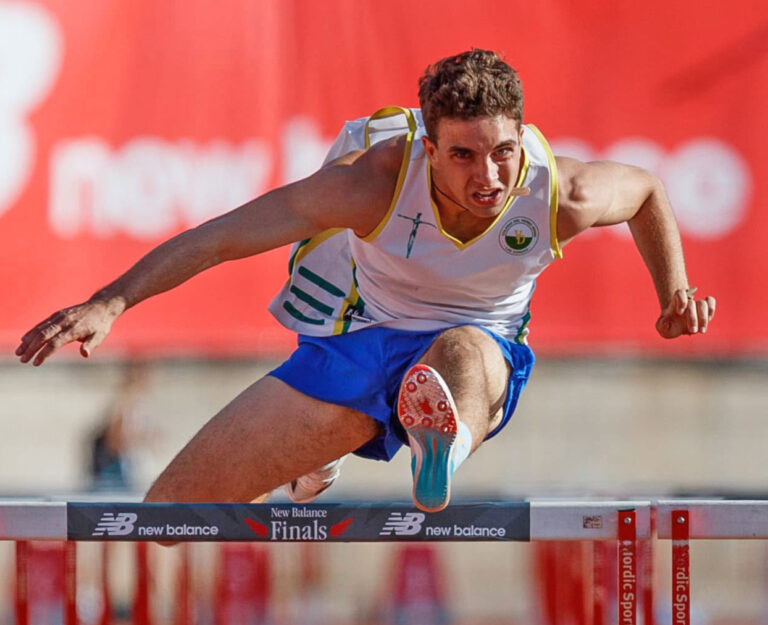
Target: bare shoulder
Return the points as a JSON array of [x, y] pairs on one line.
[[572, 175], [572, 217], [389, 153], [582, 182], [598, 193], [368, 179], [384, 157]]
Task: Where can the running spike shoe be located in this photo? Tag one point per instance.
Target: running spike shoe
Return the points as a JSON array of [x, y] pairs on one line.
[[427, 412]]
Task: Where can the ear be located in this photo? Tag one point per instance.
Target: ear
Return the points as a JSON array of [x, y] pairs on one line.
[[429, 148]]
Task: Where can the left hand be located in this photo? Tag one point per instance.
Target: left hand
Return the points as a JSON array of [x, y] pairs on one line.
[[685, 315]]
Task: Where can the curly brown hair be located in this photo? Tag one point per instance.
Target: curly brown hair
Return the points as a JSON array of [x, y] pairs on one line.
[[472, 84]]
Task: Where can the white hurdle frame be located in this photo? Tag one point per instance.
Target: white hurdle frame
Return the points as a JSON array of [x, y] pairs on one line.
[[626, 521], [519, 521]]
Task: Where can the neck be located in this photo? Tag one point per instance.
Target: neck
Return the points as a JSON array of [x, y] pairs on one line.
[[461, 224]]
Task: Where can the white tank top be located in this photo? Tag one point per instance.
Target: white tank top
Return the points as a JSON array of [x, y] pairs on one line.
[[411, 274]]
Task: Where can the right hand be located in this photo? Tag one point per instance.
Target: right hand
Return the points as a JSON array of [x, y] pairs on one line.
[[89, 323], [686, 315]]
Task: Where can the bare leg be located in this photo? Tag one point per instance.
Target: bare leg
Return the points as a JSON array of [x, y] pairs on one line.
[[268, 435], [477, 374]]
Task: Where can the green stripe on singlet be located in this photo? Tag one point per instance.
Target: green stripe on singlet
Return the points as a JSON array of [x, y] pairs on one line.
[[321, 282], [520, 338], [297, 315], [308, 299]]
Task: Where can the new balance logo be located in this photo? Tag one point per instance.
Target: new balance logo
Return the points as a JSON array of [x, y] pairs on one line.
[[120, 524], [401, 524]]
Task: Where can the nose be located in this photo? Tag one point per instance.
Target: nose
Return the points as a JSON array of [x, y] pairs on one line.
[[486, 171]]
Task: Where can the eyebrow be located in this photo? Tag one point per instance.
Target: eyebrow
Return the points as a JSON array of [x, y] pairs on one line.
[[504, 144]]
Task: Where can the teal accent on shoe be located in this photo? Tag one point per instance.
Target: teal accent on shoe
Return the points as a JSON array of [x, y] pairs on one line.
[[432, 468]]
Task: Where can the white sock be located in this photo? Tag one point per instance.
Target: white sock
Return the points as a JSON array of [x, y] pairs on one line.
[[324, 475], [463, 445]]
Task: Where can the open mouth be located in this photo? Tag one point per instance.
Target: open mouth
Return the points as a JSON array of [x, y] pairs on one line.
[[487, 197]]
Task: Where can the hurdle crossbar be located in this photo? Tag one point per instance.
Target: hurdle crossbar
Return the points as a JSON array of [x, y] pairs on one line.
[[715, 518], [523, 521], [33, 520]]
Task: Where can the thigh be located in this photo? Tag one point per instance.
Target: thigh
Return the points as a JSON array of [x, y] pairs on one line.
[[265, 437]]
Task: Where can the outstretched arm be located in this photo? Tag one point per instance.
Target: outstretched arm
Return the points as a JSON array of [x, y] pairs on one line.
[[606, 193], [353, 192]]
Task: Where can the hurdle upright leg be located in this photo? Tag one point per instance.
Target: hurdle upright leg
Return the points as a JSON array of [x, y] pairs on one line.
[[141, 611], [184, 589], [647, 569], [70, 583], [22, 586], [627, 568], [106, 597], [681, 572]]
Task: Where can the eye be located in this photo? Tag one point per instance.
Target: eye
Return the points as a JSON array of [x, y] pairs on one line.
[[462, 154], [503, 153]]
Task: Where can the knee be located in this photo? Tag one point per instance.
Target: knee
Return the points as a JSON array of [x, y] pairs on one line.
[[465, 347], [473, 366], [156, 494]]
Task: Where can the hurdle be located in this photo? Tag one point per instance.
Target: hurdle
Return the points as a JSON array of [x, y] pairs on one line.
[[629, 524]]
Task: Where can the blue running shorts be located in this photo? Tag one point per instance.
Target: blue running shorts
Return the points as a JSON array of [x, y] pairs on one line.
[[363, 370]]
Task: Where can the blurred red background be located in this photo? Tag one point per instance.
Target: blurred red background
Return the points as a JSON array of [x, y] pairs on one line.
[[123, 123]]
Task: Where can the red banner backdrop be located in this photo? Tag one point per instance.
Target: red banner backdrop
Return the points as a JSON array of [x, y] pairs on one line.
[[124, 122]]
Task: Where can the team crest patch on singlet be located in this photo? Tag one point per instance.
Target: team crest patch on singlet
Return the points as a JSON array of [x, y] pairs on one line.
[[519, 235]]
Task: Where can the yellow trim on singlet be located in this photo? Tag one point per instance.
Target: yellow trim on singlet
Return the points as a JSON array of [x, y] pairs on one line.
[[389, 111], [554, 244], [312, 244], [351, 300], [460, 244]]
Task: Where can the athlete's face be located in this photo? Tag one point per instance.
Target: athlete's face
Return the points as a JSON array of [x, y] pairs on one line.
[[476, 162]]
